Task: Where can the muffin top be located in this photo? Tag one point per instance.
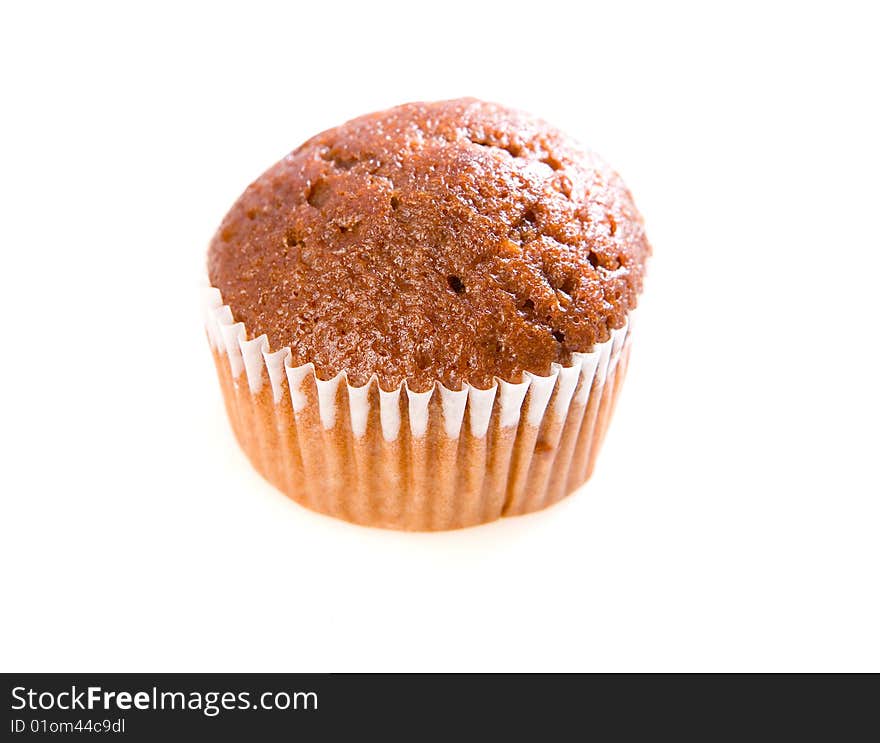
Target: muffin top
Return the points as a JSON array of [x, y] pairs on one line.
[[453, 241]]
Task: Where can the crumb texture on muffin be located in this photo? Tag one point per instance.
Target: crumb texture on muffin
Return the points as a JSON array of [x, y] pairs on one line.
[[453, 241]]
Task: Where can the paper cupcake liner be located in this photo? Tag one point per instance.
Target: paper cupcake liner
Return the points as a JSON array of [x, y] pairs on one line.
[[441, 459]]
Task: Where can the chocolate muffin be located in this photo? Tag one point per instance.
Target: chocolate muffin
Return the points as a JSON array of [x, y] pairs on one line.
[[471, 255]]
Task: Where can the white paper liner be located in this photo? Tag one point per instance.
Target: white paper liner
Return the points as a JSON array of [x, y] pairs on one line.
[[548, 451]]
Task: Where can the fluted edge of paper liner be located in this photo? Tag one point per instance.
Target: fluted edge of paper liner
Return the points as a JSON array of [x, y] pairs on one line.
[[420, 461]]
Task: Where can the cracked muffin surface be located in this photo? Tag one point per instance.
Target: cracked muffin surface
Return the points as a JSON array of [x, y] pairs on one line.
[[455, 241]]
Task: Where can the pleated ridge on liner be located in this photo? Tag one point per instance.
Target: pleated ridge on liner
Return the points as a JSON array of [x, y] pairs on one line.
[[254, 357]]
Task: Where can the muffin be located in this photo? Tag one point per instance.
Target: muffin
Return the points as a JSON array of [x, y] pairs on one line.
[[421, 319]]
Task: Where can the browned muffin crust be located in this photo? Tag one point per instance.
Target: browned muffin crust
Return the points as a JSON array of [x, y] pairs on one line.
[[452, 241]]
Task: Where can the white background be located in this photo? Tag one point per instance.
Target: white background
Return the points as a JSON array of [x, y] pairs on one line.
[[732, 523]]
